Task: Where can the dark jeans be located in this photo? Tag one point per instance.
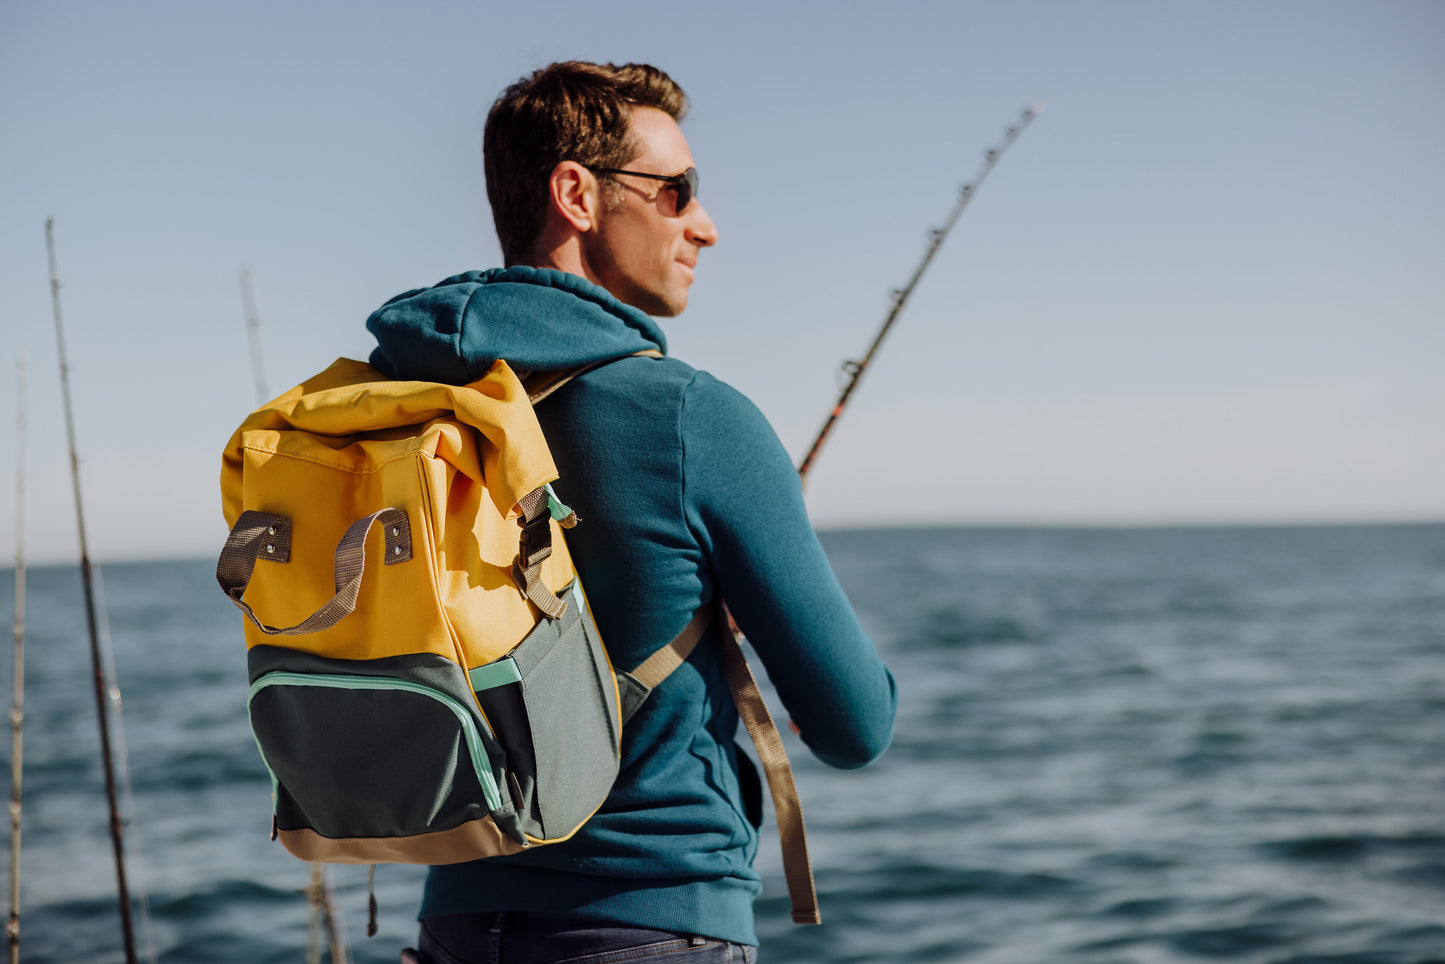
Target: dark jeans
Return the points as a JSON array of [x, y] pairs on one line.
[[510, 937]]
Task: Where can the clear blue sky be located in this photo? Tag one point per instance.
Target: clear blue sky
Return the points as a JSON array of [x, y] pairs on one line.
[[1205, 286]]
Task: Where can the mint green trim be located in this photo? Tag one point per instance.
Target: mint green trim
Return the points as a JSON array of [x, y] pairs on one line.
[[275, 783], [555, 506], [500, 673], [481, 763]]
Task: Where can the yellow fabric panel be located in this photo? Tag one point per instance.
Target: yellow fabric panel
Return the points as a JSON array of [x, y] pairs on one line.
[[299, 456], [351, 397]]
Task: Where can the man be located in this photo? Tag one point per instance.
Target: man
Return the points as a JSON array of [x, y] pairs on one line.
[[685, 494]]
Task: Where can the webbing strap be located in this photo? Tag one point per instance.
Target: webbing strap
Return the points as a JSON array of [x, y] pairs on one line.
[[540, 386], [797, 868], [534, 548], [266, 536], [659, 665]]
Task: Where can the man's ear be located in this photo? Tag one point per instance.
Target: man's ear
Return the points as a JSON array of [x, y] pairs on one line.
[[575, 195]]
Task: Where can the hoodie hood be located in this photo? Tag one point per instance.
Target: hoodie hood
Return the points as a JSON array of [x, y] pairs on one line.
[[538, 319]]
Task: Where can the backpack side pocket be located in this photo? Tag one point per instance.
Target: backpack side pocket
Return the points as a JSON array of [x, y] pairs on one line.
[[553, 704]]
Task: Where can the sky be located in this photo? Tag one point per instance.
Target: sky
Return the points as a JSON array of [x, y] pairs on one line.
[[1205, 286]]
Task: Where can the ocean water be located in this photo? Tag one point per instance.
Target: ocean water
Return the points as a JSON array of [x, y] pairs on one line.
[[1141, 746]]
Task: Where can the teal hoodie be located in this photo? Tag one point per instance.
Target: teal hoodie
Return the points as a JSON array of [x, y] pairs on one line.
[[684, 492]]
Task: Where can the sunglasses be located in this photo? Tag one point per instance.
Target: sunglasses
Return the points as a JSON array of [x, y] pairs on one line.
[[684, 184]]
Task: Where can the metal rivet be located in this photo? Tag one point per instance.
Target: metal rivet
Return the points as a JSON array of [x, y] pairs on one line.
[[271, 531], [271, 549]]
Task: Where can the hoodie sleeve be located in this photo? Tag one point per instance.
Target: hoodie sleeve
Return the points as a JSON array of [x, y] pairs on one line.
[[743, 500]]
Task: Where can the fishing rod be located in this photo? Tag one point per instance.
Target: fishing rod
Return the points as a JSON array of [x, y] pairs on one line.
[[790, 824], [855, 369], [322, 909], [17, 708], [323, 917], [253, 328], [101, 690]]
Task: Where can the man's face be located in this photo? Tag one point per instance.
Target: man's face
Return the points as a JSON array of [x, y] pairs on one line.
[[643, 250]]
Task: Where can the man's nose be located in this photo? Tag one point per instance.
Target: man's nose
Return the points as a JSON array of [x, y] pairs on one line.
[[700, 229]]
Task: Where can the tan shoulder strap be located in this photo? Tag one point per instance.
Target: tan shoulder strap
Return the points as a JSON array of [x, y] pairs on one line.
[[659, 665], [633, 688], [541, 385], [767, 741], [797, 868]]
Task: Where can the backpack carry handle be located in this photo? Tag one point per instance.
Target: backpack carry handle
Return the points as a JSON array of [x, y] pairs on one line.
[[262, 535]]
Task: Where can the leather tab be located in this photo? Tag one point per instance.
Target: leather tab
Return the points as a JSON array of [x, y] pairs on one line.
[[398, 537], [276, 542]]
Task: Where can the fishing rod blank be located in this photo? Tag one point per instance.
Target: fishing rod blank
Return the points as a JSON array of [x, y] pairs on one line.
[[855, 369], [253, 328], [101, 690], [318, 893], [17, 708]]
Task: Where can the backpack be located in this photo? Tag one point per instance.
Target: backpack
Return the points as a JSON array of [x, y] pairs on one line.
[[428, 685]]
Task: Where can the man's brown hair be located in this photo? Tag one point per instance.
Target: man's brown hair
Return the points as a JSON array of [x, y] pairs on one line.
[[570, 111]]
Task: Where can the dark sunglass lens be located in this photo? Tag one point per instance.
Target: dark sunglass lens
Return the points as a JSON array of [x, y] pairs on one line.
[[686, 186]]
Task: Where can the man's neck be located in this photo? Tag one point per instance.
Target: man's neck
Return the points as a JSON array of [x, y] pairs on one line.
[[564, 256]]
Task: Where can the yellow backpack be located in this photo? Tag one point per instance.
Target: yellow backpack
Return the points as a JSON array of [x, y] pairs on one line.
[[392, 546]]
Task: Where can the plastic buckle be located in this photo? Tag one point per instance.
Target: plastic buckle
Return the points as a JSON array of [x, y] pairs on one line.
[[536, 539]]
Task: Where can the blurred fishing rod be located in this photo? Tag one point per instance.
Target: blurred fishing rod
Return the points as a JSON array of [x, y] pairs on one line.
[[101, 690], [17, 708], [322, 909], [253, 329], [855, 369]]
